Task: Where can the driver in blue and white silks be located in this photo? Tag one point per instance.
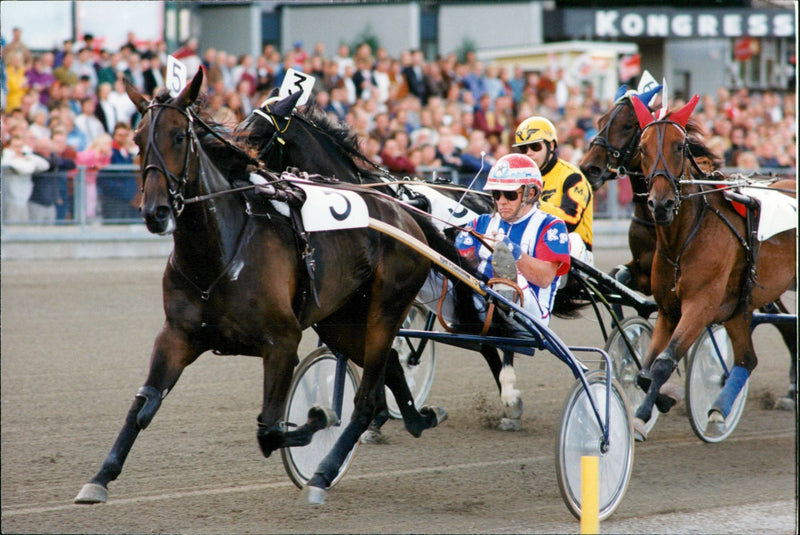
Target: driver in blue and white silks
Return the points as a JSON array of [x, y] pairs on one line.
[[537, 240]]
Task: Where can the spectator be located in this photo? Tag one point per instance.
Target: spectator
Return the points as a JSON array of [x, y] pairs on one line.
[[124, 109], [94, 158], [18, 167], [66, 48], [39, 124], [75, 137], [153, 76], [105, 111], [108, 69], [135, 72], [17, 46], [343, 60], [362, 78], [63, 150], [84, 66], [64, 72], [16, 81], [48, 186], [394, 158], [415, 77], [476, 160], [40, 76], [87, 122], [118, 189]]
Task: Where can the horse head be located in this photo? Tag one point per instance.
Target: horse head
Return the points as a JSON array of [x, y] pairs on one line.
[[266, 129], [612, 152], [664, 152], [166, 141]]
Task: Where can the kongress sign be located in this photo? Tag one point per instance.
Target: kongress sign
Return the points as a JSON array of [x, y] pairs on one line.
[[665, 23]]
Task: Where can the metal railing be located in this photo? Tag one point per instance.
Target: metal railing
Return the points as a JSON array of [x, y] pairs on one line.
[[88, 197]]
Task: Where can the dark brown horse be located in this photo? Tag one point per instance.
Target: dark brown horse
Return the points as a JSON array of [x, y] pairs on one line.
[[236, 283], [305, 138], [704, 270]]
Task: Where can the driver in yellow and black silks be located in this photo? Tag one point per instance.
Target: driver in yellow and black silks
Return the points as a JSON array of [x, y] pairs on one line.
[[566, 193]]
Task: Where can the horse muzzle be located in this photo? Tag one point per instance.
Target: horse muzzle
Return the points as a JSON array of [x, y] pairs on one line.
[[663, 211], [159, 220]]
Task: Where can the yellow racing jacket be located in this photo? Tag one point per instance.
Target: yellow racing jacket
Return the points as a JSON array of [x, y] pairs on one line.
[[568, 195]]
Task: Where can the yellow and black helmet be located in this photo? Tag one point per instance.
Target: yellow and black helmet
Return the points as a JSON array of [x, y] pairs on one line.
[[535, 129]]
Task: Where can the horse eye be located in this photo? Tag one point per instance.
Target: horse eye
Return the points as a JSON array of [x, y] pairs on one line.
[[180, 138]]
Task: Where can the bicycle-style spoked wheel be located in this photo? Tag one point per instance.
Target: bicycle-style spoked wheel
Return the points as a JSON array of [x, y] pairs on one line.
[[705, 377], [639, 332], [419, 375], [313, 384], [579, 435]]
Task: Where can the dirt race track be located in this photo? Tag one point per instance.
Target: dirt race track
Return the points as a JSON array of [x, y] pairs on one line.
[[76, 338]]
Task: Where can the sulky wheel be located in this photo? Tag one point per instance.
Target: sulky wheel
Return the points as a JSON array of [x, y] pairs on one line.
[[579, 434], [705, 377], [639, 332], [313, 384], [419, 376]]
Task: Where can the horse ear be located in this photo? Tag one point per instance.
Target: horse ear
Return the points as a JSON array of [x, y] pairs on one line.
[[285, 106], [682, 115], [138, 100], [642, 111], [621, 92], [190, 92], [648, 96]]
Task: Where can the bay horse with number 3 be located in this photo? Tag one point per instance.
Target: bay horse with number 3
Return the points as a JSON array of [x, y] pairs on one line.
[[700, 270], [235, 283]]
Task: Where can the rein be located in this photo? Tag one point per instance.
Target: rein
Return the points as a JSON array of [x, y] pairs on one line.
[[675, 184]]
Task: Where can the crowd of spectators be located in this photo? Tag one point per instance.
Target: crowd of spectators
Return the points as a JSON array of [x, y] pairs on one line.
[[451, 115]]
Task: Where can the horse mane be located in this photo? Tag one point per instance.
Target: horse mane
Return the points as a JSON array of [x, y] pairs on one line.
[[695, 134], [338, 130]]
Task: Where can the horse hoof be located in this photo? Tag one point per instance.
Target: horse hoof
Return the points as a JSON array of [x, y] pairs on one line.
[[313, 495], [92, 493], [438, 412], [513, 410], [716, 425], [786, 404], [372, 436], [510, 424], [639, 430]]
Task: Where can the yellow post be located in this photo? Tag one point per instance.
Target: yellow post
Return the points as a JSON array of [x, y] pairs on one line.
[[590, 490]]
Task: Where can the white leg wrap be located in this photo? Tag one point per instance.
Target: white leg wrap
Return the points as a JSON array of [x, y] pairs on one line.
[[508, 394]]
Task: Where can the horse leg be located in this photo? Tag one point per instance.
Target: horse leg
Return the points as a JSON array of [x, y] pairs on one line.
[[692, 321], [512, 403], [745, 361], [271, 433], [171, 354], [415, 421]]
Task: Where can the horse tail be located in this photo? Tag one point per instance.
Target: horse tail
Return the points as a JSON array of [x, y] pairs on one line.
[[569, 300]]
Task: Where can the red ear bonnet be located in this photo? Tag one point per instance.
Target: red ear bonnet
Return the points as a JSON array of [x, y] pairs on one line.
[[682, 115], [642, 112]]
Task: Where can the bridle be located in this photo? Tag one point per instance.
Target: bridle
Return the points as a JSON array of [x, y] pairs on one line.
[[661, 167], [623, 156], [175, 185]]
